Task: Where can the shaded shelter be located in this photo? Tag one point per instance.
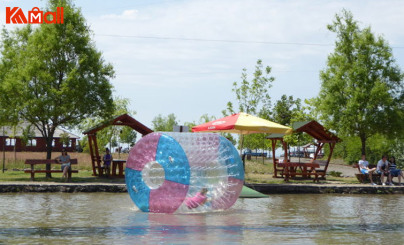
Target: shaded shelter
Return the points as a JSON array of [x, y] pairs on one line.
[[319, 133], [122, 120]]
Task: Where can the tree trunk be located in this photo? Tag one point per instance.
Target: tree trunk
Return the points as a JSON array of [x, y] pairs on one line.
[[49, 154], [363, 142], [15, 149], [4, 150]]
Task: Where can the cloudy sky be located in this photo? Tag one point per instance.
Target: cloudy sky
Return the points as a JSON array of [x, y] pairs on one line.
[[182, 56]]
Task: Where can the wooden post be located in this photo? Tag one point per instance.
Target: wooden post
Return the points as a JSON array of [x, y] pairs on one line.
[[97, 156], [90, 144], [332, 145], [273, 157]]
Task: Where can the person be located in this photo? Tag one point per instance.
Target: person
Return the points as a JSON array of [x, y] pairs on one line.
[[199, 199], [64, 159], [394, 171], [107, 158], [364, 168], [382, 169]]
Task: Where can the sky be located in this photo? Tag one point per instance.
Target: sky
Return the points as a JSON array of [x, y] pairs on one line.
[[183, 56]]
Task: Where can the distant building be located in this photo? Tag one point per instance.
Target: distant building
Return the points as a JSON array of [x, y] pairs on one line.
[[37, 143]]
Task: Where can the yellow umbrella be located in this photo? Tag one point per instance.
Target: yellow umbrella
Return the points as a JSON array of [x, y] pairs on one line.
[[242, 123]]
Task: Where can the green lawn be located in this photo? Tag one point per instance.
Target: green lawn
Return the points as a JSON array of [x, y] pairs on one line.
[[84, 176], [256, 172]]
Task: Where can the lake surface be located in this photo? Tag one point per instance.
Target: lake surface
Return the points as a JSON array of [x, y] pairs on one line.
[[109, 218]]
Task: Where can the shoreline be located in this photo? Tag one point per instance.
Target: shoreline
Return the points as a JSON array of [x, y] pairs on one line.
[[41, 187], [325, 189]]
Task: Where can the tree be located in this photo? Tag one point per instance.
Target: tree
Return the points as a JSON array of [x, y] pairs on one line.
[[128, 135], [27, 134], [362, 90], [54, 74], [161, 123], [252, 95], [285, 109], [253, 98], [64, 138], [109, 135]]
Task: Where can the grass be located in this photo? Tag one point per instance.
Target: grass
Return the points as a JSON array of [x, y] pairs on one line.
[[14, 168], [257, 170]]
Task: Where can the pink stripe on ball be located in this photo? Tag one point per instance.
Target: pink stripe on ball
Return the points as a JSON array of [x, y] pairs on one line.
[[168, 197], [143, 152]]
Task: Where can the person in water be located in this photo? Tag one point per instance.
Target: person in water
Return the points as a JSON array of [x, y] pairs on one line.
[[199, 199]]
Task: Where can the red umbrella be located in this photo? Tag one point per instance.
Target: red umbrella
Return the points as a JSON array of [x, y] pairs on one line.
[[242, 123]]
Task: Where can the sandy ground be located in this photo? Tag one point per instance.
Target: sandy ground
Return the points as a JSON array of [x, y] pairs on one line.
[[347, 171]]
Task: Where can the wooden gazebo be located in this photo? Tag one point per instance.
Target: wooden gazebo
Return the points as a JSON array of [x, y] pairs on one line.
[[315, 130], [122, 120]]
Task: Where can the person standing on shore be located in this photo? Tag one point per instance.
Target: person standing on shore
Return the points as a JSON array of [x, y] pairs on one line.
[[364, 168]]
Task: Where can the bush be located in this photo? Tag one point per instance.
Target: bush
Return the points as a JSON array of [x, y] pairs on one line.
[[350, 149], [334, 173]]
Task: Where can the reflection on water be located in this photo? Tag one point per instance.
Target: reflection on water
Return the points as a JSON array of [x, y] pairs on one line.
[[105, 218]]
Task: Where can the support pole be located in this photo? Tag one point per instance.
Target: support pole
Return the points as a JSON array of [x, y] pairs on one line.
[[4, 150]]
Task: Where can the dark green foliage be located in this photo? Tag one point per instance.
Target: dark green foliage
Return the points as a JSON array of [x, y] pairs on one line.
[[52, 75], [166, 124], [362, 87]]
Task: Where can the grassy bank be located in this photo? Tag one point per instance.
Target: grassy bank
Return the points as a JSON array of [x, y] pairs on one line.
[[257, 170], [14, 167], [16, 161]]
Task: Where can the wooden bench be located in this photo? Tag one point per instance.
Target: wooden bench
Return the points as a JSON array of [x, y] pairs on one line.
[[307, 170], [364, 178], [322, 170], [35, 162], [278, 169]]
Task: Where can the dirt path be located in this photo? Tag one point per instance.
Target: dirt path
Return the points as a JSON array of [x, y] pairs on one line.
[[347, 171]]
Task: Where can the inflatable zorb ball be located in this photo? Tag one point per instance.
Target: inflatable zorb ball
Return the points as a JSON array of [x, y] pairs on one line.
[[165, 173]]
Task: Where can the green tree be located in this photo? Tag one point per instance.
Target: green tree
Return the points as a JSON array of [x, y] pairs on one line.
[[64, 138], [166, 124], [111, 134], [252, 95], [362, 90], [286, 109], [253, 98], [377, 145], [27, 134], [54, 74], [128, 135]]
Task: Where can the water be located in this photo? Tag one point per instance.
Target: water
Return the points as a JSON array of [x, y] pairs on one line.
[[108, 218]]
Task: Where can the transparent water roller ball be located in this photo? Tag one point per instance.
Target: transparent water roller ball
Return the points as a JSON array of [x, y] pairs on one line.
[[184, 173]]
